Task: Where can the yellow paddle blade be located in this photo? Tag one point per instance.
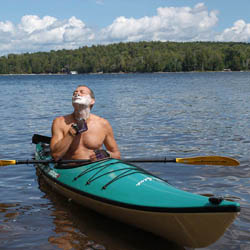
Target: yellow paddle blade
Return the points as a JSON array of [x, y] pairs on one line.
[[7, 162], [209, 160]]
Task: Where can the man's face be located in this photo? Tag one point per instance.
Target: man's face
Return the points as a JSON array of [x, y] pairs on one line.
[[81, 91], [82, 96]]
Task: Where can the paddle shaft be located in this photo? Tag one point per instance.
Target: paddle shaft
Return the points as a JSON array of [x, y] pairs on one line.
[[50, 161], [163, 159], [18, 162], [199, 160]]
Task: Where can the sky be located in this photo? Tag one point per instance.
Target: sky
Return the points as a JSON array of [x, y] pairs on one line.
[[28, 26]]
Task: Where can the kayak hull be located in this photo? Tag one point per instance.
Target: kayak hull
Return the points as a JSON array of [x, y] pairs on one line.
[[188, 226]]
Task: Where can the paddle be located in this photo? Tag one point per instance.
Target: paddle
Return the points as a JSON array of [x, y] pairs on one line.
[[199, 160]]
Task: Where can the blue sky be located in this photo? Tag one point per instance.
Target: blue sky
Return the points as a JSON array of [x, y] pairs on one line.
[[43, 25]]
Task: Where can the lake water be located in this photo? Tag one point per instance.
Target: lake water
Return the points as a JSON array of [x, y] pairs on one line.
[[175, 114]]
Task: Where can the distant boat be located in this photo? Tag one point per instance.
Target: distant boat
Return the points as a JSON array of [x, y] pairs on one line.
[[73, 72]]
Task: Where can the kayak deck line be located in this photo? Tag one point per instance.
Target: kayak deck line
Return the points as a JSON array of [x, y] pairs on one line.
[[126, 172], [122, 175]]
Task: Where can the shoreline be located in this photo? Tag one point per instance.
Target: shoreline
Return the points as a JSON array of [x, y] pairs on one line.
[[123, 73]]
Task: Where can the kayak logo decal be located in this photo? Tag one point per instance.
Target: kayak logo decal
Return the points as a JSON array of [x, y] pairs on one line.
[[53, 174], [144, 180]]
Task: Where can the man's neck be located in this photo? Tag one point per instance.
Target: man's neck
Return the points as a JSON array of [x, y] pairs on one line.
[[79, 116]]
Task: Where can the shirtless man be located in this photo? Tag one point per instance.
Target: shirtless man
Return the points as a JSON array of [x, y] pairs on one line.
[[81, 135]]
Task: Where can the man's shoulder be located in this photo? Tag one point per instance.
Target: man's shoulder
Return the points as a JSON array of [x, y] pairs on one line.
[[63, 119], [100, 119]]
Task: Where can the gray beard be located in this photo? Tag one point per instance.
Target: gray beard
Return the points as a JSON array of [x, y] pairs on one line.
[[82, 113]]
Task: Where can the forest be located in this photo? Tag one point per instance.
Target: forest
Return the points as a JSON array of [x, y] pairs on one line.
[[133, 57]]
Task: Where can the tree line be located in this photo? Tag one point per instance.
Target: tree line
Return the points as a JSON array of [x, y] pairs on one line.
[[133, 57]]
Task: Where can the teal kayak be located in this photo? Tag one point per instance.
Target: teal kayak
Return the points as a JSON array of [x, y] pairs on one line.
[[128, 193]]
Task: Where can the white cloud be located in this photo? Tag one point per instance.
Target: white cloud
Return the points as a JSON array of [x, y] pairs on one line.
[[196, 23], [43, 34], [170, 23], [240, 32], [31, 23], [6, 27]]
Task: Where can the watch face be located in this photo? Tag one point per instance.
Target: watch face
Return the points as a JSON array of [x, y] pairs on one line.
[[80, 127], [75, 127]]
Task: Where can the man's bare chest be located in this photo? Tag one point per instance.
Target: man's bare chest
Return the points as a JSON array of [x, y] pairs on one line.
[[93, 138]]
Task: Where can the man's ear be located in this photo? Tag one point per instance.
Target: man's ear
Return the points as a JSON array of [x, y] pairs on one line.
[[92, 102]]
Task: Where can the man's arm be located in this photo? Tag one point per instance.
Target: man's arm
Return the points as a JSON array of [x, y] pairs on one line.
[[59, 143], [110, 142]]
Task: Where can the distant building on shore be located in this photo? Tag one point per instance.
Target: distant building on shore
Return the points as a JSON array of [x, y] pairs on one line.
[[66, 70]]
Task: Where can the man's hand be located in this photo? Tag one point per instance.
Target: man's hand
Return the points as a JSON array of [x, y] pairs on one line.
[[99, 154], [80, 126]]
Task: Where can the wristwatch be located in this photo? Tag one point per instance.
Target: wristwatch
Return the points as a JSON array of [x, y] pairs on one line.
[[101, 154], [79, 127], [73, 130]]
